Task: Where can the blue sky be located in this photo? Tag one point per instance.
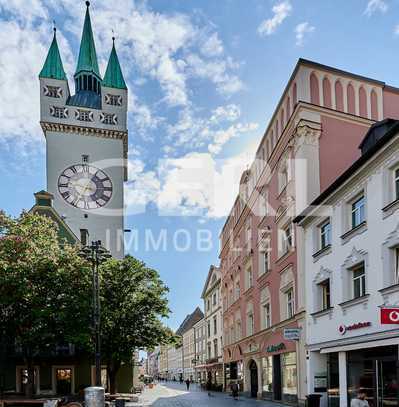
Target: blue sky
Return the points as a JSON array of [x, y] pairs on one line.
[[203, 77]]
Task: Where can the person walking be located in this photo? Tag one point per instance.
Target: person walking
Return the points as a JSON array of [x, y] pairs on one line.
[[360, 401], [234, 390], [188, 384]]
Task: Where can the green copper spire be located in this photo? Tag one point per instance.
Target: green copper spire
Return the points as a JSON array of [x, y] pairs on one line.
[[113, 75], [87, 55], [53, 67]]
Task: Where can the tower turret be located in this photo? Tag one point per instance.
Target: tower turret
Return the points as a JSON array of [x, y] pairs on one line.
[[54, 89], [87, 75]]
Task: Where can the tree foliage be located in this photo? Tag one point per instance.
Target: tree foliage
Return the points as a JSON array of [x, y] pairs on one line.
[[45, 296], [133, 301]]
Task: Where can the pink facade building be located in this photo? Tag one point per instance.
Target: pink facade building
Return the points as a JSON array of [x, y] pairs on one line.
[[312, 138]]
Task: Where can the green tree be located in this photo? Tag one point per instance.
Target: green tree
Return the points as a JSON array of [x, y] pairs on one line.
[[133, 302], [45, 295]]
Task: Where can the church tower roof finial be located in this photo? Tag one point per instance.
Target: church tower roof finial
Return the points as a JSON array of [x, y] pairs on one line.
[[87, 60], [53, 67], [113, 77]]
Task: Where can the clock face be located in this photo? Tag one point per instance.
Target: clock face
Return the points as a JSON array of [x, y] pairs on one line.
[[84, 186]]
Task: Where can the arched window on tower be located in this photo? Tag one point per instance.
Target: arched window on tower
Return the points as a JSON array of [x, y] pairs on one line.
[[327, 93], [362, 102], [294, 95], [314, 90], [339, 96], [351, 99], [374, 105]]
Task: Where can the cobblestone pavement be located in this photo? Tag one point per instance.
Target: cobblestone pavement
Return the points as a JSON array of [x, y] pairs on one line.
[[175, 395]]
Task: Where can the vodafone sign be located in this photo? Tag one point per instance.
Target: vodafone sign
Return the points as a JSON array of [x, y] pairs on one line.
[[390, 316]]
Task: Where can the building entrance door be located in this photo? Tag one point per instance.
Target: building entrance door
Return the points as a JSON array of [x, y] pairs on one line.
[[63, 379], [375, 371], [254, 379], [386, 383]]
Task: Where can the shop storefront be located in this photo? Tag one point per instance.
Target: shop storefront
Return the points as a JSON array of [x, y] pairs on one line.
[[234, 373], [279, 376], [373, 370]]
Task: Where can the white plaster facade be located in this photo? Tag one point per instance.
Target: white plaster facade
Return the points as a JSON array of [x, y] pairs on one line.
[[371, 244]]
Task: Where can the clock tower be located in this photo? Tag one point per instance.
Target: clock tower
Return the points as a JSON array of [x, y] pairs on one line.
[[86, 142]]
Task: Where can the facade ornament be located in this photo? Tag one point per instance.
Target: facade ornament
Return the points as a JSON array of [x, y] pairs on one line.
[[306, 133]]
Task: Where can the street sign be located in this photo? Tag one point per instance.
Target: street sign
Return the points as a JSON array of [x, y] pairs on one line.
[[390, 316], [292, 334]]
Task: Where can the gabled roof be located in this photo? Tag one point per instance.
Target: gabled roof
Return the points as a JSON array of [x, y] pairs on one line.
[[190, 321], [113, 75], [87, 60], [43, 206], [53, 68], [212, 271]]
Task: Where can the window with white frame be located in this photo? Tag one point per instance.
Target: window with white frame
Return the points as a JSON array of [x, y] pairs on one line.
[[283, 176], [396, 270], [286, 239], [249, 277], [358, 280], [325, 294], [215, 326], [214, 299], [267, 317], [238, 330], [325, 234], [396, 183], [358, 214], [290, 303], [250, 324], [237, 292], [263, 199]]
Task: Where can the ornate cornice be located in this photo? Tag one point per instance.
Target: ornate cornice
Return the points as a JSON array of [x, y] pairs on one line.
[[90, 131], [306, 133]]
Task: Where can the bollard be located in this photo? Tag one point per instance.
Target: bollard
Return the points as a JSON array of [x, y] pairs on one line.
[[94, 397]]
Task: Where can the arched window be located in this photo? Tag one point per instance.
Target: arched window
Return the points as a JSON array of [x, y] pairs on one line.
[[282, 119], [276, 130], [294, 95], [374, 105], [314, 90], [351, 99], [327, 93], [288, 109], [339, 96], [362, 102]]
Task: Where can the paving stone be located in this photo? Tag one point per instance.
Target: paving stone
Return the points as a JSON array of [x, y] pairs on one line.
[[175, 395]]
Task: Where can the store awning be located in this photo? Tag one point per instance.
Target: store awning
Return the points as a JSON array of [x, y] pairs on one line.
[[361, 345]]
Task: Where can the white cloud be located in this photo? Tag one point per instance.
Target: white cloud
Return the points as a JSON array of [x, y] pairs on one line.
[[221, 137], [301, 30], [212, 46], [152, 46], [195, 184], [193, 132], [376, 5], [280, 11]]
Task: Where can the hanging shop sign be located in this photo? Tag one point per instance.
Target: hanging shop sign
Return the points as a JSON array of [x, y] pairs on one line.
[[275, 348], [390, 316], [343, 329], [292, 334]]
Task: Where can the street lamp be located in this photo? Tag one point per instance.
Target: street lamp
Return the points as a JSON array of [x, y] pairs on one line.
[[96, 254]]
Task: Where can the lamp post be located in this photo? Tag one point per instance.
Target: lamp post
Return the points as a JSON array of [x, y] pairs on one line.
[[96, 254]]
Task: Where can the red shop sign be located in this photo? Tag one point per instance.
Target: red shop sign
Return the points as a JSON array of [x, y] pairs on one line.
[[390, 316]]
